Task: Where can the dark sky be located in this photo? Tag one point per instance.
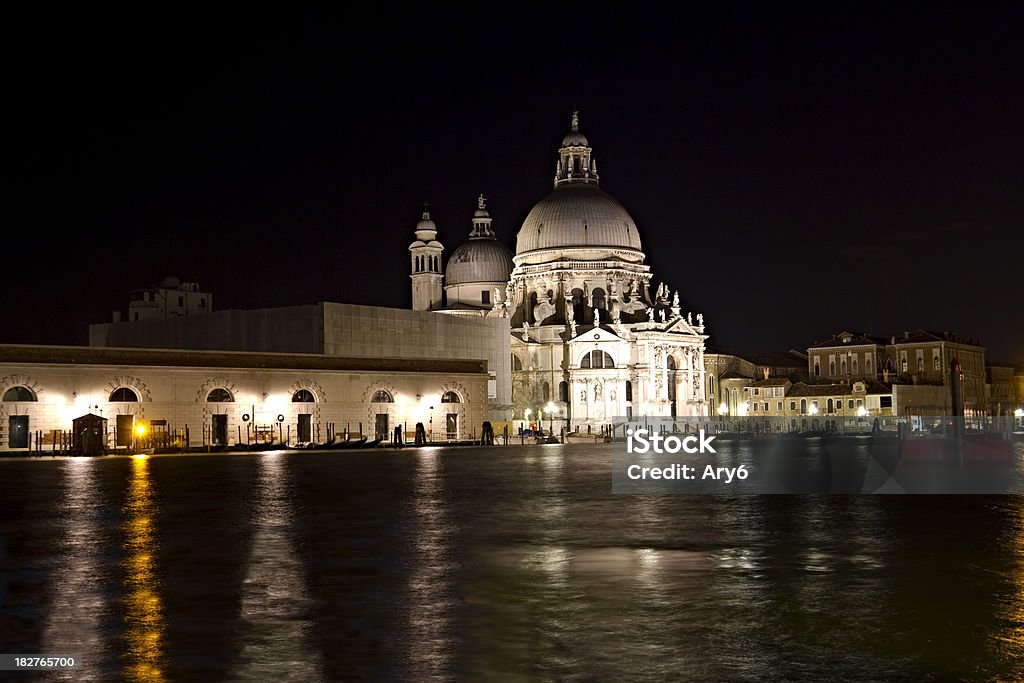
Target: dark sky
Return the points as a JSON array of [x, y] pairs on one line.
[[792, 173]]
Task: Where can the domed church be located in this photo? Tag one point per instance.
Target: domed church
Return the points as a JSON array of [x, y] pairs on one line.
[[592, 338]]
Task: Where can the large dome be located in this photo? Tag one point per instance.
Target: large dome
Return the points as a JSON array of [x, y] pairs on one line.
[[479, 260], [577, 215]]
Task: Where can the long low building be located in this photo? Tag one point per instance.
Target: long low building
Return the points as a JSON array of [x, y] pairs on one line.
[[223, 397]]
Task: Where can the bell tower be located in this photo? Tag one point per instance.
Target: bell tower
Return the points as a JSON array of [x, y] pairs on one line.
[[425, 254]]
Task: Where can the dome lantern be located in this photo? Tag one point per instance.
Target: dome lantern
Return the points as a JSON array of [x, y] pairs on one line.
[[575, 158]]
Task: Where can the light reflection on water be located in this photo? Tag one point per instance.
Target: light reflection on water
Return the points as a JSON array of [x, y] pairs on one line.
[[275, 625], [483, 564], [73, 620], [144, 618]]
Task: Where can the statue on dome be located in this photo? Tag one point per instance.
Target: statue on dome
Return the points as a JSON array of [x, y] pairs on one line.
[[650, 314], [597, 317], [481, 202]]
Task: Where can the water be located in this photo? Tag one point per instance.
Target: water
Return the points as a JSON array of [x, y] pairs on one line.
[[483, 564]]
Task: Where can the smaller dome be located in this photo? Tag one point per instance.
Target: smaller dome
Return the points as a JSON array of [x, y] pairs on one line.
[[426, 224], [574, 138], [479, 260]]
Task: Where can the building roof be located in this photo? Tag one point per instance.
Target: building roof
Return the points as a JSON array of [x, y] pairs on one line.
[[732, 374], [791, 358], [771, 382], [577, 216], [86, 355], [920, 336], [481, 259], [848, 338]]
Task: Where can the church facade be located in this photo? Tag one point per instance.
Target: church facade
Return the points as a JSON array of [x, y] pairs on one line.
[[592, 338]]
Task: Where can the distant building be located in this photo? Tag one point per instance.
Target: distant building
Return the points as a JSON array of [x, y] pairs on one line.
[[920, 357], [729, 372], [171, 298], [224, 398], [999, 388]]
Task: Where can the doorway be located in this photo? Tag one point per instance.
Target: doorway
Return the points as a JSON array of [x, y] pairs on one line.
[[18, 431], [219, 430]]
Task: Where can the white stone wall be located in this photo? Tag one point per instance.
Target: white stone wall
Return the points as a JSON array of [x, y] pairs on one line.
[[332, 329], [178, 395]]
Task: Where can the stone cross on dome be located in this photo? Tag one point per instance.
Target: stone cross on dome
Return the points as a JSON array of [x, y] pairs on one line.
[[481, 202]]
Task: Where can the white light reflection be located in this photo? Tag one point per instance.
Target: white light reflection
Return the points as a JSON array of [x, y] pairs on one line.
[[72, 624], [429, 604], [275, 607]]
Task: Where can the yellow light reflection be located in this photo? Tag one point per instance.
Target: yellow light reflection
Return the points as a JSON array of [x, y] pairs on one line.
[[143, 607]]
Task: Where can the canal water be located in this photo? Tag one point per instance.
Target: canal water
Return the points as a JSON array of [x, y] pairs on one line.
[[482, 564]]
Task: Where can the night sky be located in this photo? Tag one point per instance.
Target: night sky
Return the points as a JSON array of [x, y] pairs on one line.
[[792, 173]]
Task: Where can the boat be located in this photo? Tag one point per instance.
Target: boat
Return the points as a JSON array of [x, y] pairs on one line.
[[257, 447], [351, 443], [372, 444]]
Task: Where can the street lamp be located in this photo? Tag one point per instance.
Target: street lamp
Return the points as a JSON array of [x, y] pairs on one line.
[[550, 408], [526, 417], [722, 409]]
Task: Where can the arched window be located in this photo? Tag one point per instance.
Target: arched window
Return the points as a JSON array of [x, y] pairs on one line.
[[597, 360], [563, 391], [817, 369], [803, 406], [829, 406], [450, 397], [629, 390], [867, 365], [545, 391], [577, 304], [219, 396], [382, 396], [303, 396], [598, 298], [124, 394], [831, 367], [517, 364], [854, 364], [920, 363], [842, 367], [19, 394]]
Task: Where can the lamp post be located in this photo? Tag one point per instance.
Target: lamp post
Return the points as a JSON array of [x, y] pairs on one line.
[[551, 408]]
